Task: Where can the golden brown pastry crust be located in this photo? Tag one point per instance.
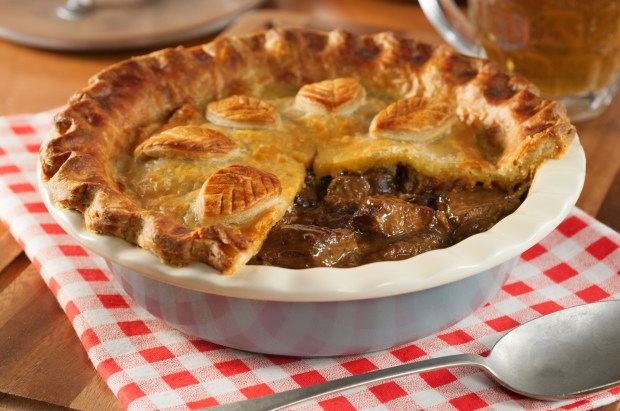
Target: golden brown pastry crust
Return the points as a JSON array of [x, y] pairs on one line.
[[413, 119], [337, 96], [242, 111], [515, 129], [236, 193], [186, 141]]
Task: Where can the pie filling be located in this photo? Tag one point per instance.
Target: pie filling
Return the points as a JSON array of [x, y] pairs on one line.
[[359, 218]]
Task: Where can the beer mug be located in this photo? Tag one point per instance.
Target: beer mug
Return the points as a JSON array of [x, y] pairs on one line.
[[569, 48]]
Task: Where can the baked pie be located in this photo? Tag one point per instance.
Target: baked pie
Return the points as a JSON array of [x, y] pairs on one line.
[[300, 148]]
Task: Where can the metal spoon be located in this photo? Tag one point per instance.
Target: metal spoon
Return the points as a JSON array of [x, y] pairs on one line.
[[568, 353]]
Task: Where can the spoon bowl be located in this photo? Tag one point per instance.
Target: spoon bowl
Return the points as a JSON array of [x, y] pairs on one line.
[[565, 354]]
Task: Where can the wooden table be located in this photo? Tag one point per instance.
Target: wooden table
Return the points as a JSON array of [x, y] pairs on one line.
[[42, 363]]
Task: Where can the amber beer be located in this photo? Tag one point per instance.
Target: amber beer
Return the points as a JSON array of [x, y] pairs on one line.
[[566, 47]]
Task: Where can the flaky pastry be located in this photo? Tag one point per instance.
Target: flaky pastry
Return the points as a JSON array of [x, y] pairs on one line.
[[338, 96], [243, 112], [195, 154], [414, 119], [236, 194], [186, 141]]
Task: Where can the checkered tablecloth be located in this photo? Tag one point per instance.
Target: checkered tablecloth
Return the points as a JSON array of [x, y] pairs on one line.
[[149, 365]]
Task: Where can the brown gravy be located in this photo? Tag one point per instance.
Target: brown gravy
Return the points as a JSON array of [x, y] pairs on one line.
[[359, 218]]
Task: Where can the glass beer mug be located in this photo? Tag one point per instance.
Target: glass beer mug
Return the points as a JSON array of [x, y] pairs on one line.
[[569, 48]]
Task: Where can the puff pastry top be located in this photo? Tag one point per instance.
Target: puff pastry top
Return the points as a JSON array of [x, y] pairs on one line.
[[414, 119], [235, 194], [196, 153], [186, 141], [338, 96], [243, 112]]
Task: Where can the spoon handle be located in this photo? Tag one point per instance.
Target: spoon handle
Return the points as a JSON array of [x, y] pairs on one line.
[[298, 395]]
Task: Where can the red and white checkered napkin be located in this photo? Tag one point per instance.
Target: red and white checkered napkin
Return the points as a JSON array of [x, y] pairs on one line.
[[149, 365]]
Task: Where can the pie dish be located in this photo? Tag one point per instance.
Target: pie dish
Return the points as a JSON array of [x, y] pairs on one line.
[[195, 154], [141, 112]]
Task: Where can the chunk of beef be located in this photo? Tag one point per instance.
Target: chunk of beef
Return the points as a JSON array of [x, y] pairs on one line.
[[380, 180], [410, 246], [464, 205], [341, 201], [391, 216], [352, 187], [302, 246], [476, 210], [335, 212], [471, 227]]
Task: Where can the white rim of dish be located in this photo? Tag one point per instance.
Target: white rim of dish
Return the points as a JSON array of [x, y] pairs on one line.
[[553, 193]]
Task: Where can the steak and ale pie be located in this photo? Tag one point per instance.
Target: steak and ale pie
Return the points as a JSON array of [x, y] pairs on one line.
[[299, 148]]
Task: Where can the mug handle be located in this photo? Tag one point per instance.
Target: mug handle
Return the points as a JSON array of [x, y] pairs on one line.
[[453, 26]]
